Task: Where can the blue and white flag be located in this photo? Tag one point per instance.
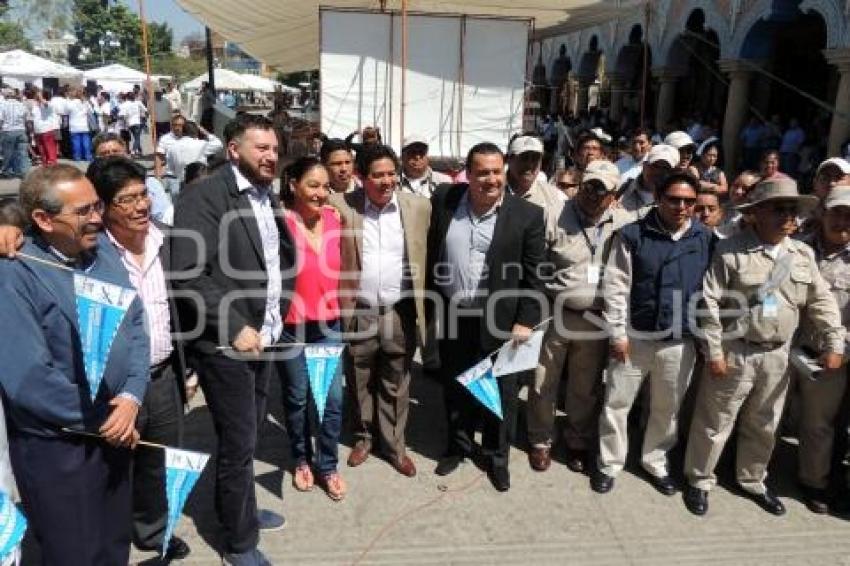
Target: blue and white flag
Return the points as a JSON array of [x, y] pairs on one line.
[[182, 470], [322, 365], [481, 382], [13, 525], [101, 307]]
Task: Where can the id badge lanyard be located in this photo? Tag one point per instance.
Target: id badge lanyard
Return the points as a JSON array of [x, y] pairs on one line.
[[593, 268]]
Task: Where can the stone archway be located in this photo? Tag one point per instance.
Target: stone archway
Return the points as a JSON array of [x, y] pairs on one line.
[[631, 68]]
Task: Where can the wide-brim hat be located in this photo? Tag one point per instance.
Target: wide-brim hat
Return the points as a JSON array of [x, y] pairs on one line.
[[778, 189]]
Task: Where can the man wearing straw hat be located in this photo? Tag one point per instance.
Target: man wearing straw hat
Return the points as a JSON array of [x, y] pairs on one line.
[[759, 282], [75, 490]]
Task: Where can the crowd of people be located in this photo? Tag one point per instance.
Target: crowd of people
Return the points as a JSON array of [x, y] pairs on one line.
[[656, 281]]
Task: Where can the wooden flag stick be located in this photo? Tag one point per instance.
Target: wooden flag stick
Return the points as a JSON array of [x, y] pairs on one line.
[[93, 435]]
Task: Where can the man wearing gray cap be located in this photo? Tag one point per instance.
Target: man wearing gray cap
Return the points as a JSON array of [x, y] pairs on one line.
[[822, 394], [638, 195], [417, 177], [767, 280], [577, 251]]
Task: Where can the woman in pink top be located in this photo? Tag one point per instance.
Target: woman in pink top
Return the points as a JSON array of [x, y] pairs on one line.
[[313, 318], [769, 166]]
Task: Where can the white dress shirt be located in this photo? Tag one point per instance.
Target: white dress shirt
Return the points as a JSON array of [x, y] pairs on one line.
[[382, 273], [181, 152], [270, 236]]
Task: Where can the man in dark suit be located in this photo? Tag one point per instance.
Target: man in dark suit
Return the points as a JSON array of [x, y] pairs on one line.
[[241, 266], [75, 490], [484, 247]]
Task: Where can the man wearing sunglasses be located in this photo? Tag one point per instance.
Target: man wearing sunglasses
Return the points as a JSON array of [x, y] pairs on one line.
[[768, 280], [579, 248], [637, 196], [75, 490], [655, 270]]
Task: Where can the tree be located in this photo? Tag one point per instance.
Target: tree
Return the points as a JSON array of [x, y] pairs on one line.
[[54, 16], [119, 29], [12, 34], [160, 38]]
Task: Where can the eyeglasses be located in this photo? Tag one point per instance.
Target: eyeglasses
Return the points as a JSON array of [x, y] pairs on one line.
[[564, 186], [86, 210], [680, 201], [594, 188], [132, 200]]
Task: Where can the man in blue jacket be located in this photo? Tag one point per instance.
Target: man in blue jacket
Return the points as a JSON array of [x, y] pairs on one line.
[[652, 281], [75, 489]]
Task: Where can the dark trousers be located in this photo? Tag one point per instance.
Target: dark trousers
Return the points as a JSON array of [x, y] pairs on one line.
[[236, 393], [160, 421], [76, 496], [465, 413]]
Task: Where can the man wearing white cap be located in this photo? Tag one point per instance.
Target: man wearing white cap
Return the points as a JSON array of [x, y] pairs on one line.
[[685, 146], [417, 177], [577, 252], [525, 156], [831, 173], [768, 280], [822, 395], [638, 195]]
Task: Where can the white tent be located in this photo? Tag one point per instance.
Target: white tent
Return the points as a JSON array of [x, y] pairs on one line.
[[18, 64], [260, 84], [225, 79], [285, 33], [117, 73]]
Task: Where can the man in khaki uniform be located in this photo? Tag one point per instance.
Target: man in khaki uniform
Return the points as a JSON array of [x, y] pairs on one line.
[[822, 394], [637, 196], [525, 157], [577, 251], [760, 280]]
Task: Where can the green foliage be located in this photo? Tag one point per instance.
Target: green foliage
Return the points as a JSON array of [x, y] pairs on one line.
[[182, 69], [12, 37], [92, 22]]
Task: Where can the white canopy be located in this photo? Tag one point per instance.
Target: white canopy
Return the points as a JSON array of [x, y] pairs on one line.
[[26, 66], [285, 33], [118, 73], [262, 84], [225, 79]]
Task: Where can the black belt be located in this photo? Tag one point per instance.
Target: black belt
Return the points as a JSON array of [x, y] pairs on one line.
[[158, 370]]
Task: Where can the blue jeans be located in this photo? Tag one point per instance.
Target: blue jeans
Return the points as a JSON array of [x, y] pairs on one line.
[[81, 146], [16, 160], [297, 398], [137, 138]]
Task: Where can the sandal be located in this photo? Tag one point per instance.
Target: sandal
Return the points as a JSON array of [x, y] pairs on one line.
[[334, 486], [302, 478]]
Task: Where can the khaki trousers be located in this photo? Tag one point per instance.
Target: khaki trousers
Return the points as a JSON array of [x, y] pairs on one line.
[[820, 402], [755, 387], [569, 342], [379, 374], [669, 365]]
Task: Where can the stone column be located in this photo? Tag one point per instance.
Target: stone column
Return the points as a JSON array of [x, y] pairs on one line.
[[617, 84], [583, 94], [666, 97], [839, 131], [760, 88], [736, 110]]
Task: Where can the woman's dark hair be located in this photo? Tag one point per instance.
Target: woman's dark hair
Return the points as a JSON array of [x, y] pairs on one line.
[[12, 214], [111, 174], [293, 173]]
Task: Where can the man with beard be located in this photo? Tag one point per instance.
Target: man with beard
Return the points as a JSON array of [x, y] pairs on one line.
[[242, 275], [768, 281], [75, 489], [337, 159], [655, 268], [577, 251]]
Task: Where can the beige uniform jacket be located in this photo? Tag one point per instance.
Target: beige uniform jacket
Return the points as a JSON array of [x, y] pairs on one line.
[[570, 256], [415, 218], [636, 202], [835, 269], [550, 200], [741, 265]]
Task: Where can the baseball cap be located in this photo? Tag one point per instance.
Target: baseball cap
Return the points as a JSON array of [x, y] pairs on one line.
[[842, 164], [414, 139], [663, 152], [838, 196], [601, 135], [525, 144], [679, 140], [603, 171]]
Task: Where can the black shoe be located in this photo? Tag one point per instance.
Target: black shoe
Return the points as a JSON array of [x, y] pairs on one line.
[[769, 503], [448, 464], [696, 500], [500, 478], [664, 485], [601, 483], [177, 549], [269, 520], [817, 500], [577, 460]]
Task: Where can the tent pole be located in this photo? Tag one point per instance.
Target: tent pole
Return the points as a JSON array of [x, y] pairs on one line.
[[403, 68], [147, 55], [645, 77], [210, 62]]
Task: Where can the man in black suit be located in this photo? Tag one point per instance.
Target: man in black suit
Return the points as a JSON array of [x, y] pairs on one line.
[[484, 247], [243, 274]]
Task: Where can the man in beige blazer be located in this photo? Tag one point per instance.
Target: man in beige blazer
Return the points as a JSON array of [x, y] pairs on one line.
[[381, 296]]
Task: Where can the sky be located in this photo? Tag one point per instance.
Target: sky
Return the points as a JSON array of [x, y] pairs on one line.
[[168, 11]]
